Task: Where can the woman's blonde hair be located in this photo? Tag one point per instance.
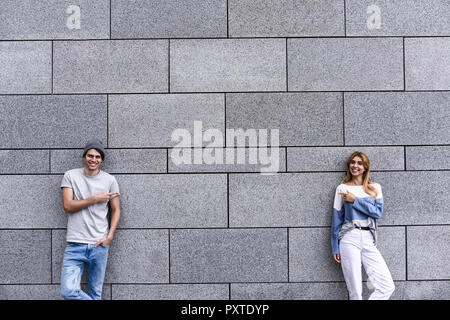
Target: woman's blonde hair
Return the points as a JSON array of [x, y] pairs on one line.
[[370, 190]]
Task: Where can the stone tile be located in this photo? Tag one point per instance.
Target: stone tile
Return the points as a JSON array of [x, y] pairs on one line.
[[110, 66], [335, 158], [116, 160], [155, 117], [218, 65], [299, 199], [228, 255], [310, 250], [299, 117], [420, 290], [414, 197], [427, 69], [398, 18], [30, 292], [427, 252], [135, 256], [41, 292], [24, 161], [170, 292], [283, 18], [397, 118], [239, 160], [169, 19], [139, 256], [26, 67], [31, 201], [173, 201], [310, 256], [392, 246], [48, 19], [51, 121], [25, 256], [289, 291], [428, 158], [326, 64]]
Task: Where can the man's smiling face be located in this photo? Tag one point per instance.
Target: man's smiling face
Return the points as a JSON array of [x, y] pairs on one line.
[[92, 160]]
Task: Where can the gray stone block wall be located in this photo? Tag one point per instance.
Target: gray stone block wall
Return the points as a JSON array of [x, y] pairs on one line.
[[333, 76]]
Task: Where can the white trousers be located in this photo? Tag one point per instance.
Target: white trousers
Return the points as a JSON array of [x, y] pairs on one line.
[[357, 247]]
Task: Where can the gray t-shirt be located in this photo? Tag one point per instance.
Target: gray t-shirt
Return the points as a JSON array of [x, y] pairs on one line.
[[90, 224]]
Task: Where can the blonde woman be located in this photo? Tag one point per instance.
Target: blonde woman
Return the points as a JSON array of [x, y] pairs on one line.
[[358, 204]]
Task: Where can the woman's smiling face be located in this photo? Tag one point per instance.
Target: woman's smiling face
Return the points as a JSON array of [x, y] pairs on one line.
[[356, 167]]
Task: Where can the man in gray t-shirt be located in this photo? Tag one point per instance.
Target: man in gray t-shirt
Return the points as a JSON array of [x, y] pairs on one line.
[[86, 193]]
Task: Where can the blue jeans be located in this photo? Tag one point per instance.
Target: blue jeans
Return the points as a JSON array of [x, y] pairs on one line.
[[75, 256]]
